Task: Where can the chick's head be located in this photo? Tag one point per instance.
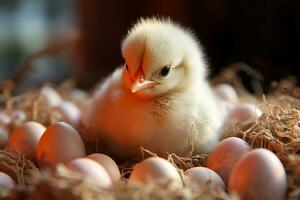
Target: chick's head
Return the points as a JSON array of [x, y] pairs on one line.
[[160, 57]]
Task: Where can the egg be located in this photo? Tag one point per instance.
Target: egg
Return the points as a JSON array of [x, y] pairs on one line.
[[59, 144], [259, 175], [49, 96], [225, 155], [109, 164], [69, 112], [78, 95], [154, 168], [4, 119], [6, 182], [243, 113], [226, 93], [202, 175], [91, 169], [25, 139]]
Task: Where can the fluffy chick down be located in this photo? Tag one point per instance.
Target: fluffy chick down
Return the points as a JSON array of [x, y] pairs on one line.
[[178, 112]]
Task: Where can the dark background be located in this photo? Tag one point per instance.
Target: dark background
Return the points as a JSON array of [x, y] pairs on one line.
[[265, 34]]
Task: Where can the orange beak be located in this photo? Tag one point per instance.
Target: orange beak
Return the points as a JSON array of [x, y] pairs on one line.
[[140, 83]]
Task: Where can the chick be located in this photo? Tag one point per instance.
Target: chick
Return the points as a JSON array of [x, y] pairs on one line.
[[160, 98]]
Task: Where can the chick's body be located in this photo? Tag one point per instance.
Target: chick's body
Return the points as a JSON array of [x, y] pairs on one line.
[[161, 99]]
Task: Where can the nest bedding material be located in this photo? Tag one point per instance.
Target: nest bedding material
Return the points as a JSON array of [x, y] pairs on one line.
[[278, 130]]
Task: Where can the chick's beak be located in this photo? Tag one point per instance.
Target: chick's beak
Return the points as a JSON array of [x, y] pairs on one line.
[[140, 83]]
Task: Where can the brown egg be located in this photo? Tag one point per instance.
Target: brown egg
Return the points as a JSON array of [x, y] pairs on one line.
[[225, 155], [6, 182], [69, 112], [259, 175], [202, 175], [25, 139], [154, 168], [91, 169], [59, 144], [109, 164]]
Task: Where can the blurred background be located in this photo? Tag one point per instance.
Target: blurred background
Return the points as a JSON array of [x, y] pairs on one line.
[[264, 34]]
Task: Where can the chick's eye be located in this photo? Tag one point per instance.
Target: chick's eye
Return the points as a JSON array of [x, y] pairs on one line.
[[164, 71]]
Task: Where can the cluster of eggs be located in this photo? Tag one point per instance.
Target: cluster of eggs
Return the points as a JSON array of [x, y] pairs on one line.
[[232, 165], [252, 174], [61, 143], [237, 111]]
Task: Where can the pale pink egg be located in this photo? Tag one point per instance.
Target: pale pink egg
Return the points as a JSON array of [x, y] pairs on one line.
[[25, 139], [69, 112], [6, 182], [154, 168], [243, 113], [59, 144], [226, 93], [4, 119], [202, 175], [49, 96], [225, 155], [259, 175], [109, 164], [91, 169]]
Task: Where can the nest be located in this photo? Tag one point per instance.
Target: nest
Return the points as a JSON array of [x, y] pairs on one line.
[[278, 130]]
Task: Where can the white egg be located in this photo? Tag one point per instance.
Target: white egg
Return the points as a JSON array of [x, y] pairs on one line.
[[225, 155], [49, 96], [94, 171], [79, 95], [59, 144], [4, 119], [259, 175], [201, 176], [25, 139], [243, 113], [109, 164], [154, 168], [226, 93], [69, 112]]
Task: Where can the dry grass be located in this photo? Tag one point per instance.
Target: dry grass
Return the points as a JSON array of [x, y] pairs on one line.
[[278, 130]]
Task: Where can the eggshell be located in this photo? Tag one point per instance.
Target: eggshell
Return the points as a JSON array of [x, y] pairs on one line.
[[201, 176], [78, 95], [259, 175], [226, 93], [25, 139], [4, 119], [59, 144], [109, 164], [94, 171], [154, 168], [69, 113], [243, 113], [6, 182], [225, 155], [49, 96]]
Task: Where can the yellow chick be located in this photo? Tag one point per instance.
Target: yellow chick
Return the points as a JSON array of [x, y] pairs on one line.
[[160, 99]]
